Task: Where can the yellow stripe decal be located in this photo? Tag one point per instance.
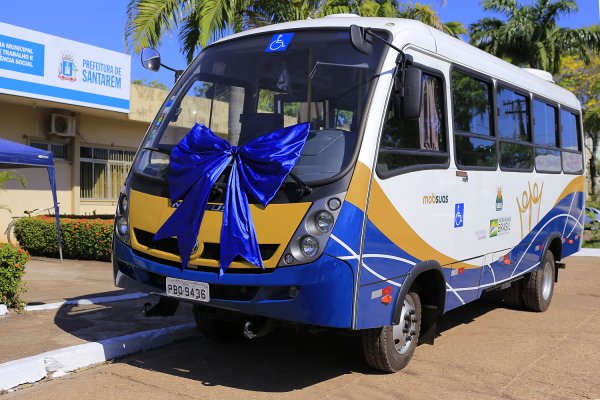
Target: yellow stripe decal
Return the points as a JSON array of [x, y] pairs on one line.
[[576, 185], [389, 221], [359, 186]]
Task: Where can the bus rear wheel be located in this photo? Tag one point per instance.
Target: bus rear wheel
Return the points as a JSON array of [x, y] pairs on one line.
[[390, 348], [216, 329], [538, 286]]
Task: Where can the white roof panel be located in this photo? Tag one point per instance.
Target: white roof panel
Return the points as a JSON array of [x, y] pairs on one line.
[[412, 32]]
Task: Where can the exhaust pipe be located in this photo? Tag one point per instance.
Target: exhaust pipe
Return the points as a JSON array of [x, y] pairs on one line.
[[250, 333]]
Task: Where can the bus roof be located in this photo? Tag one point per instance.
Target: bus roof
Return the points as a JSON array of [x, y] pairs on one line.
[[413, 33]]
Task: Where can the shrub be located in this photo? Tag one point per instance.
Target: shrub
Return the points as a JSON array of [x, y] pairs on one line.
[[82, 238], [12, 268]]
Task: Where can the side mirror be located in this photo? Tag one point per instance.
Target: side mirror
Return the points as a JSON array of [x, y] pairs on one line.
[[359, 41], [150, 59], [408, 97]]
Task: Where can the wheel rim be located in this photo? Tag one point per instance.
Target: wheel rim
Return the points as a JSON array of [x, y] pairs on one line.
[[547, 280], [404, 333]]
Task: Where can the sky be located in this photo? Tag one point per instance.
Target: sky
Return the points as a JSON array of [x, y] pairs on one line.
[[101, 23]]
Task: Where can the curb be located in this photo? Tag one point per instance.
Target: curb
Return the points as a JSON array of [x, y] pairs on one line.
[[587, 252], [57, 363], [92, 300]]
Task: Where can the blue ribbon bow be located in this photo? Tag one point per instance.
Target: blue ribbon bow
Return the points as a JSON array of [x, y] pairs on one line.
[[259, 168]]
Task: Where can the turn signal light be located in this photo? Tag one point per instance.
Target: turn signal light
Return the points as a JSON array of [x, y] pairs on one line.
[[386, 299]]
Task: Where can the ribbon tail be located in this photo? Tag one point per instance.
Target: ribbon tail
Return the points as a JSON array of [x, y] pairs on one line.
[[186, 220], [238, 235]]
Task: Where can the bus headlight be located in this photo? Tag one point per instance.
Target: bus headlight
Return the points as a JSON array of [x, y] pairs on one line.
[[122, 226], [311, 237], [124, 204], [309, 247], [324, 221], [122, 219]]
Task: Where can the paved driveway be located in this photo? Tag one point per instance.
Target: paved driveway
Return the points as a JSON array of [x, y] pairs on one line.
[[483, 351]]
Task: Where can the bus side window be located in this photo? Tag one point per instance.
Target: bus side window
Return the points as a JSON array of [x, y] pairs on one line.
[[545, 137], [571, 143], [473, 124], [418, 143], [516, 149]]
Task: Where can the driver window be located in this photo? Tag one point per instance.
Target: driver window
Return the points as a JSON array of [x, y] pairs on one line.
[[419, 142]]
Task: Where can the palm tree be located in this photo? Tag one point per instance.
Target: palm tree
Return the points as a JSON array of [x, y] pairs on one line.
[[391, 8], [365, 8], [202, 21], [529, 36], [428, 16], [6, 176]]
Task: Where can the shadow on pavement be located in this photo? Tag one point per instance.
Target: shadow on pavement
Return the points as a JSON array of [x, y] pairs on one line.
[[281, 362], [93, 322], [466, 314]]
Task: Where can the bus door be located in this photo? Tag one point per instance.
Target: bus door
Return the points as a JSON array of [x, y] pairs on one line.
[[409, 214]]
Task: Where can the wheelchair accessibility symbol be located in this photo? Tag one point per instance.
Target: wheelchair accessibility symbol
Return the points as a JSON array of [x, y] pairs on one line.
[[459, 215], [279, 42]]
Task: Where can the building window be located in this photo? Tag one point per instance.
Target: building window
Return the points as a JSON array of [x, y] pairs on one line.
[[59, 150], [103, 172]]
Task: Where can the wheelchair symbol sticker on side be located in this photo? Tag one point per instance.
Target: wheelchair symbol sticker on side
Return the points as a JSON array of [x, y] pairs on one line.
[[279, 42], [459, 215]]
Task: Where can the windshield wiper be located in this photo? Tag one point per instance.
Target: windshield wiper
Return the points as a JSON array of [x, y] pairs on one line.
[[303, 188], [158, 150]]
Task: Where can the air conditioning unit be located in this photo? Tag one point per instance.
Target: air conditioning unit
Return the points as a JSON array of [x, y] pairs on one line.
[[62, 125]]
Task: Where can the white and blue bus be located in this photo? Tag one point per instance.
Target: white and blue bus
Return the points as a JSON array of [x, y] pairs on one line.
[[431, 174]]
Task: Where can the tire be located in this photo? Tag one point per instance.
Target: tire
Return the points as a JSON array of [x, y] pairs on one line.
[[385, 348], [215, 329], [538, 286]]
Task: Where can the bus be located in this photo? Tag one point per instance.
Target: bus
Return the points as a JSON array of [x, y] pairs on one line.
[[430, 174]]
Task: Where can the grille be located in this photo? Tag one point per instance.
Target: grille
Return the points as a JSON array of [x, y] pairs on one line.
[[145, 238], [211, 251]]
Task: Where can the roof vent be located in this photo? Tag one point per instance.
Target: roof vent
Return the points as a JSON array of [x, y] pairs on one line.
[[545, 75], [342, 15]]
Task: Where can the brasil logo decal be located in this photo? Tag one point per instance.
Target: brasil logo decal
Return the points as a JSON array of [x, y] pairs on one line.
[[493, 227], [67, 69]]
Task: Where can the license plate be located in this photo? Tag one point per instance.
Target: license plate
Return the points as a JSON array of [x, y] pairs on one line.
[[187, 289]]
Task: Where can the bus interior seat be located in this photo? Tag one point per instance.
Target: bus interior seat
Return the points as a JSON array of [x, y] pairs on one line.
[[325, 153], [257, 124]]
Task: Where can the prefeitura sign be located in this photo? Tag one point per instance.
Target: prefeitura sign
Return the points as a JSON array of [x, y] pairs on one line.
[[41, 66]]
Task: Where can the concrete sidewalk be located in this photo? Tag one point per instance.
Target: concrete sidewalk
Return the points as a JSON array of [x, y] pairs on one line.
[[48, 281]]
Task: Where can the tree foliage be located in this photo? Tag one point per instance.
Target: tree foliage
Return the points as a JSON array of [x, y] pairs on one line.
[[583, 79], [6, 176], [529, 34], [199, 22], [428, 16]]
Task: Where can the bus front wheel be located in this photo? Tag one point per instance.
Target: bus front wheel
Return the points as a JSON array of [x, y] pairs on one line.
[[538, 286], [390, 348]]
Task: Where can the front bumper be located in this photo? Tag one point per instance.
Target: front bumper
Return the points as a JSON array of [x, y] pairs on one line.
[[325, 287]]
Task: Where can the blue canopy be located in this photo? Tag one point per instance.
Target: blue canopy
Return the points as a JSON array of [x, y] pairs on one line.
[[16, 155]]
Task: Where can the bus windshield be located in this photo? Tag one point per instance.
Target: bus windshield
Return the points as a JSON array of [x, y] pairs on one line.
[[248, 87]]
